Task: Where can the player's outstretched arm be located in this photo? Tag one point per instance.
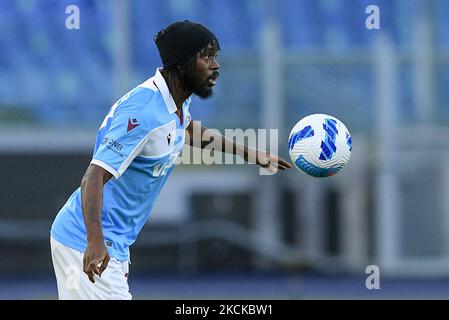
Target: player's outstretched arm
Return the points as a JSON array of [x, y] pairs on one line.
[[96, 257], [266, 160], [260, 157]]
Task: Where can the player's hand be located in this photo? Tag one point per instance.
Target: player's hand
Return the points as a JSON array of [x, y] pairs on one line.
[[269, 161], [96, 259]]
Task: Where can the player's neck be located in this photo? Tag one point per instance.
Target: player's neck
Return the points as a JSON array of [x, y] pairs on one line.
[[179, 97], [178, 93]]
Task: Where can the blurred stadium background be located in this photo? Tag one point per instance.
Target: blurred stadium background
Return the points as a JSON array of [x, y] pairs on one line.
[[224, 231]]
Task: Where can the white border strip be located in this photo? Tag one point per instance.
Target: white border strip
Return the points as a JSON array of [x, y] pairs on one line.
[[106, 167], [138, 149]]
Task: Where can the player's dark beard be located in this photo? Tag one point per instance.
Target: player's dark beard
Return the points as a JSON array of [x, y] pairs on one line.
[[199, 86]]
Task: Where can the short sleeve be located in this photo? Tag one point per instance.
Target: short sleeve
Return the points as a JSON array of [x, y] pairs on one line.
[[122, 139]]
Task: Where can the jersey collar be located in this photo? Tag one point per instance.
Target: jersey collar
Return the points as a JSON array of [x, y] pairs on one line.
[[163, 89]]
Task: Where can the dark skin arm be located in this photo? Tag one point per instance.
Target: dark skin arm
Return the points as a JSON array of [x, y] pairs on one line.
[[96, 257], [262, 158]]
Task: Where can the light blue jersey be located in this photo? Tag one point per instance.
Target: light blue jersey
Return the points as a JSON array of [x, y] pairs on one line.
[[138, 143]]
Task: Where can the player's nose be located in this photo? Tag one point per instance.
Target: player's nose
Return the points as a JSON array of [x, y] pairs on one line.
[[215, 65]]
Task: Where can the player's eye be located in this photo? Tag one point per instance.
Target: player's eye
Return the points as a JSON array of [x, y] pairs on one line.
[[211, 55]]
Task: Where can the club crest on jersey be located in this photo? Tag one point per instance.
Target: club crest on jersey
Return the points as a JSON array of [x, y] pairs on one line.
[[132, 123]]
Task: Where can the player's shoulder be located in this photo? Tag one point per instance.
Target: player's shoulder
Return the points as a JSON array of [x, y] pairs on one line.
[[154, 103], [144, 96], [145, 103]]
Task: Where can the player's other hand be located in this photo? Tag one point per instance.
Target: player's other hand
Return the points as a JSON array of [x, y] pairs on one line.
[[96, 259], [267, 160]]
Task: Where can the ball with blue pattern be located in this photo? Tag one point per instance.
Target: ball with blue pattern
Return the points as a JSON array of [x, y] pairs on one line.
[[320, 145]]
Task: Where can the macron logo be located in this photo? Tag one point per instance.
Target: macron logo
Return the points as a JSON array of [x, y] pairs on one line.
[[132, 123]]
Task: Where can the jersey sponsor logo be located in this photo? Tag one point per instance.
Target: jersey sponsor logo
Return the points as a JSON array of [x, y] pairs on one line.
[[132, 123], [112, 144]]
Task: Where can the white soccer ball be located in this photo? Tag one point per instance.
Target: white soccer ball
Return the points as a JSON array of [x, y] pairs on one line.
[[320, 145]]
